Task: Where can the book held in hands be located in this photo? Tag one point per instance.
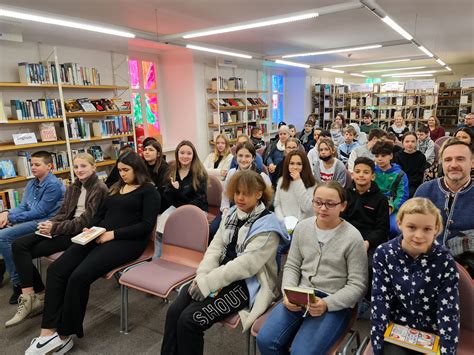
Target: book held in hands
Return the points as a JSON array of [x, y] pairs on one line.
[[88, 236], [300, 296], [413, 339]]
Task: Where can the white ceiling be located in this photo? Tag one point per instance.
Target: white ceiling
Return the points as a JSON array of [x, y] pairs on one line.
[[446, 28]]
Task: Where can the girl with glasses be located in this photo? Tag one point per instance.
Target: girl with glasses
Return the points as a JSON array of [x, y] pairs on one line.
[[327, 255]]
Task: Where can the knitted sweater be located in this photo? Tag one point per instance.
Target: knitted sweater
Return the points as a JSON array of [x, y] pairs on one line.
[[368, 212], [338, 267], [459, 216], [386, 179], [339, 171], [366, 128], [297, 201], [357, 152], [420, 293], [64, 222], [224, 164], [427, 147], [436, 133]]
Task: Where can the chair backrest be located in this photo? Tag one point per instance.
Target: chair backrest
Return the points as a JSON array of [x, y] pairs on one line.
[[437, 147], [441, 140], [233, 149], [265, 169], [466, 297], [214, 191], [348, 179], [260, 150], [185, 237]]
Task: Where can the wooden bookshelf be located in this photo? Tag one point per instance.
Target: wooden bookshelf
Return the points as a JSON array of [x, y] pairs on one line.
[[15, 85], [228, 124], [212, 91], [6, 147], [35, 120], [231, 141], [13, 180], [95, 139], [97, 113], [240, 108]]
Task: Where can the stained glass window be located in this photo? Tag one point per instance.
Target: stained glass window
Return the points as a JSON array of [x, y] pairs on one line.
[[134, 78], [149, 76], [277, 98], [151, 109], [137, 108]]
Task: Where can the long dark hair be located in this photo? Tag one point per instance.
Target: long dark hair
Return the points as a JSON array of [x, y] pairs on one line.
[[159, 154], [140, 171], [197, 169], [306, 173]]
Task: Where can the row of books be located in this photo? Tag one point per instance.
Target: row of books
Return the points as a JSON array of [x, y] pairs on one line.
[[23, 164], [45, 73], [9, 198], [233, 83], [237, 102], [96, 105], [35, 109], [234, 132], [79, 128], [238, 116], [7, 169]]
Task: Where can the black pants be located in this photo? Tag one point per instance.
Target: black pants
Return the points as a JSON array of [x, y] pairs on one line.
[[32, 246], [69, 279], [186, 320], [392, 349]]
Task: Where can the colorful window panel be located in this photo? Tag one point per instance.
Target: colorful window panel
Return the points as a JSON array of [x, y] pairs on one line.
[[277, 98], [151, 109], [134, 77], [149, 75], [137, 108]]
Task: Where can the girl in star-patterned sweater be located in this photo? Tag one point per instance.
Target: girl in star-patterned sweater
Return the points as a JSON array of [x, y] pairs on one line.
[[415, 281]]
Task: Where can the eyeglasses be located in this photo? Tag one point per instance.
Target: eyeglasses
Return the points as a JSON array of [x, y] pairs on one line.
[[328, 205]]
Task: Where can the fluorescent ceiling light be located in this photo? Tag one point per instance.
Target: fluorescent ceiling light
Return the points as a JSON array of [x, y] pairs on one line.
[[360, 75], [411, 73], [440, 62], [59, 22], [448, 68], [371, 63], [427, 52], [334, 70], [393, 69], [397, 28], [285, 62], [253, 25], [411, 76], [329, 51], [218, 51]]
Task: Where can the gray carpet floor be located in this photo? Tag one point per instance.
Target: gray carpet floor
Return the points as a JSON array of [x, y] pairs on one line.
[[102, 324]]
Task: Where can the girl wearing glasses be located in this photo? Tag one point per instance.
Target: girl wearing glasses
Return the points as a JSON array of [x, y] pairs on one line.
[[327, 254]]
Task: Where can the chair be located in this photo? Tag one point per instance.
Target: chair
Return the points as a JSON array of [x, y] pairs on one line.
[[260, 150], [441, 140], [184, 246], [348, 179], [214, 197], [466, 308]]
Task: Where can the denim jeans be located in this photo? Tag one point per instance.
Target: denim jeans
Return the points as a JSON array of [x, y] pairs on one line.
[[7, 236], [305, 335]]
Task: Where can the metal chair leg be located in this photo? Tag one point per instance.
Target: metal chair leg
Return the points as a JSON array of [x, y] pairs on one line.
[[125, 309]]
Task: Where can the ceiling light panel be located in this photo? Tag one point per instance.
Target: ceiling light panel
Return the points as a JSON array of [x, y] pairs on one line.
[[393, 69], [427, 52], [397, 28], [371, 63], [218, 51], [331, 51], [285, 62], [334, 70]]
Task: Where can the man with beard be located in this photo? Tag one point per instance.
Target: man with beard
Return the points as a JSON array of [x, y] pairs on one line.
[[453, 193]]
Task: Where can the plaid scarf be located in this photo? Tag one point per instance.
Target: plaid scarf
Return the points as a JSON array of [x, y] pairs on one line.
[[231, 222]]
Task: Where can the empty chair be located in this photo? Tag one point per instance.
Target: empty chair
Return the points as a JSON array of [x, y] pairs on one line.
[[214, 197], [185, 240]]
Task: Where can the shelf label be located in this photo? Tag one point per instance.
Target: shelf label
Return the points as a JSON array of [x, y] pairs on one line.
[[24, 138], [421, 84], [392, 86], [368, 87], [467, 83]]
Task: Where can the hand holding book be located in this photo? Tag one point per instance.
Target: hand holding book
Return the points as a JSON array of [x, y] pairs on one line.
[[106, 237]]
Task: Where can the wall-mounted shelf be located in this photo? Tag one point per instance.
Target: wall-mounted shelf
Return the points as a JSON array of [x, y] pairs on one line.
[[97, 113]]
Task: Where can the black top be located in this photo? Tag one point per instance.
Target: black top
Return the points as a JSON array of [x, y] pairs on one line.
[[186, 195], [413, 165], [368, 213], [132, 216], [398, 135], [160, 179], [113, 177]]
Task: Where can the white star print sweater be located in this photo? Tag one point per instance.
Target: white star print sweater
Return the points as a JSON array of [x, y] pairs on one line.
[[421, 294]]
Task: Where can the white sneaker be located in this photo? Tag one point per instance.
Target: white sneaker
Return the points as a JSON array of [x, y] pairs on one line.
[[67, 345], [44, 345]]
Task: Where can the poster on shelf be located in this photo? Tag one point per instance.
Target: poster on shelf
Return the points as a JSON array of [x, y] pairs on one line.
[[424, 84], [367, 87], [392, 86], [467, 83]]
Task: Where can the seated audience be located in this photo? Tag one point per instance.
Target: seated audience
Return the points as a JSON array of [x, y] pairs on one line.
[[256, 137], [465, 135], [398, 128], [391, 180], [344, 150], [411, 161], [292, 131], [336, 133], [81, 203], [397, 146], [360, 137], [218, 162], [128, 214], [365, 150], [435, 128], [313, 154], [328, 167], [415, 281], [368, 125], [237, 274], [294, 191], [41, 200], [425, 144], [258, 159], [114, 175], [453, 195], [306, 136], [290, 145], [156, 164], [468, 122], [275, 151], [327, 255]]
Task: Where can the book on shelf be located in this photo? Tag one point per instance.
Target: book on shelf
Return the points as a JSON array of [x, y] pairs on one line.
[[427, 114], [86, 105], [72, 106], [112, 125], [10, 198], [60, 161], [23, 165], [88, 236], [121, 104], [47, 132], [463, 100], [300, 296], [35, 109], [7, 169], [96, 152], [3, 117], [413, 339]]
